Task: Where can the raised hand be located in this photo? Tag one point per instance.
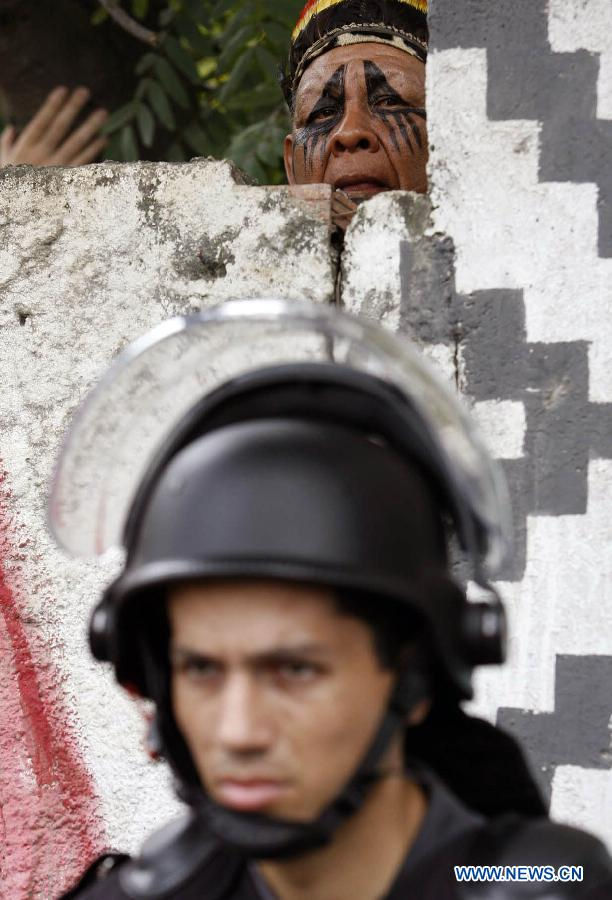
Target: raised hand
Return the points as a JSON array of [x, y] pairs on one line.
[[48, 138]]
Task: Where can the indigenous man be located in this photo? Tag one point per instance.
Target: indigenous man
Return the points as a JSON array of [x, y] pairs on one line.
[[287, 603], [355, 86]]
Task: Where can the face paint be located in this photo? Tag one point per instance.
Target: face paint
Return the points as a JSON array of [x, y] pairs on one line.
[[394, 111], [323, 118]]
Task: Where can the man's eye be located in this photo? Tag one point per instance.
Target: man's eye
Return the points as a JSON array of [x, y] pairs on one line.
[[319, 115], [390, 100], [199, 669], [297, 671]]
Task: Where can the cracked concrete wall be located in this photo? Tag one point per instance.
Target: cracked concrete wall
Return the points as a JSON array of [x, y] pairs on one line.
[[91, 258], [505, 281], [521, 131]]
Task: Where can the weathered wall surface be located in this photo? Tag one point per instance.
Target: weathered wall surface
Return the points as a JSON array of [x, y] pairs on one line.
[[89, 259], [508, 287], [504, 280], [520, 107]]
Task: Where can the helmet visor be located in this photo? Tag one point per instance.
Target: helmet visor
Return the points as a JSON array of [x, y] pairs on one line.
[[157, 379]]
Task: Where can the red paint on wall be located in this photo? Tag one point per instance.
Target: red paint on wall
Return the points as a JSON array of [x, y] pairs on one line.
[[49, 823]]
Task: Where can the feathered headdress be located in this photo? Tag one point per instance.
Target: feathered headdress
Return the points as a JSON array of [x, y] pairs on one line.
[[325, 24]]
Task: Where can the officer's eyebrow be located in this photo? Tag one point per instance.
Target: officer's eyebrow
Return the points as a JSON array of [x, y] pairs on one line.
[[291, 651], [278, 653]]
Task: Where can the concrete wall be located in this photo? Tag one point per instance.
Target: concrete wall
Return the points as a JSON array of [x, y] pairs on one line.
[[520, 104], [505, 281], [89, 259]]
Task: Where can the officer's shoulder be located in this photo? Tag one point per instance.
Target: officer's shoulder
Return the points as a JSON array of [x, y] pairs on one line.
[[170, 862], [98, 879], [516, 841], [536, 837]]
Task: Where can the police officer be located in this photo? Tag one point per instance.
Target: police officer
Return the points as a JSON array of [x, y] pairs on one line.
[[289, 603]]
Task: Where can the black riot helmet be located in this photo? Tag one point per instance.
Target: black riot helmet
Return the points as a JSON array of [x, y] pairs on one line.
[[289, 441]]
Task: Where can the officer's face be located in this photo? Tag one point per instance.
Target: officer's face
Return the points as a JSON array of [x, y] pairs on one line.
[[358, 122], [276, 693]]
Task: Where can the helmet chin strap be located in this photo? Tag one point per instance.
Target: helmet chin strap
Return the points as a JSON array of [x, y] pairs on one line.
[[266, 837]]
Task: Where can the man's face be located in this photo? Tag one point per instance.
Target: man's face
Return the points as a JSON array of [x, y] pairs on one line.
[[359, 122], [277, 694]]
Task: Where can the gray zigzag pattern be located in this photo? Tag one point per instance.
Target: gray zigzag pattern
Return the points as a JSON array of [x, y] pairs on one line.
[[528, 81], [577, 731], [563, 428]]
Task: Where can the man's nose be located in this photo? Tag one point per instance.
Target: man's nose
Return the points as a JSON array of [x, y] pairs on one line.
[[243, 725], [355, 132]]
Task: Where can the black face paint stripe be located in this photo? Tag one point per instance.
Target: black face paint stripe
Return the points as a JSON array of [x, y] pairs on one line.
[[333, 90], [311, 147], [377, 86], [399, 117], [332, 98], [416, 131], [384, 115]]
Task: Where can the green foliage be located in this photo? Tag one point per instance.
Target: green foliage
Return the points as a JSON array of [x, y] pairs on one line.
[[209, 87]]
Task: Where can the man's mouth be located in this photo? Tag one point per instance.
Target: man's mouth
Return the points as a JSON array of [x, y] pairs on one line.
[[250, 794], [361, 185]]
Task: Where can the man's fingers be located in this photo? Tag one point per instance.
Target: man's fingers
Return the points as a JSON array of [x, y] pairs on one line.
[[40, 122], [6, 142], [342, 209], [75, 144], [62, 122], [46, 139], [89, 153]]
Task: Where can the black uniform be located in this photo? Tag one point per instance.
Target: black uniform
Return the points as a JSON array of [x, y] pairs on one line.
[[451, 835]]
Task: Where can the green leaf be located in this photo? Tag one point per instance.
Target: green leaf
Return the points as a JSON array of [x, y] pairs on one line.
[[171, 82], [197, 139], [112, 149], [166, 16], [262, 100], [161, 106], [242, 144], [117, 119], [217, 128], [197, 8], [268, 62], [206, 67], [270, 152], [145, 62], [233, 47], [238, 75], [188, 28], [234, 23], [278, 35], [129, 147], [98, 16], [146, 124], [223, 6], [175, 152], [181, 58], [141, 89], [269, 141], [254, 168], [140, 8]]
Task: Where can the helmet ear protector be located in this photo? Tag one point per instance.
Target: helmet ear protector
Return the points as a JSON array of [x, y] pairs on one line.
[[329, 397]]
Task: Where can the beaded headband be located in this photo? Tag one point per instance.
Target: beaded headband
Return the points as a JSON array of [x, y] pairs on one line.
[[325, 24]]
